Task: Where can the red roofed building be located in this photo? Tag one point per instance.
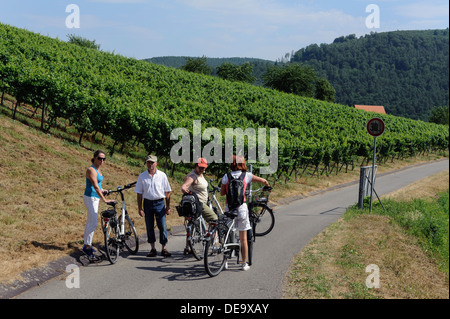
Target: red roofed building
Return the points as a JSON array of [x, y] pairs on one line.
[[372, 108]]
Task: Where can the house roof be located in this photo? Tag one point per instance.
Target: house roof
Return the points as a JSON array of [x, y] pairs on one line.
[[372, 108]]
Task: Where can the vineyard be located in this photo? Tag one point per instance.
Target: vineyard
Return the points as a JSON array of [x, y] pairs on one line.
[[140, 103]]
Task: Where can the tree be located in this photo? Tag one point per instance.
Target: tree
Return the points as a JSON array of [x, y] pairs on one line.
[[198, 65], [439, 115], [324, 90], [292, 78], [232, 72], [82, 42]]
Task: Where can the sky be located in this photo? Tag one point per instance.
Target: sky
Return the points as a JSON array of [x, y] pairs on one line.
[[266, 29]]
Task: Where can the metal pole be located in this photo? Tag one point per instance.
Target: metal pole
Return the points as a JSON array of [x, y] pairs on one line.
[[373, 171], [249, 198]]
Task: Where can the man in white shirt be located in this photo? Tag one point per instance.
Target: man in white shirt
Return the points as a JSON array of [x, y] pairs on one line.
[[152, 188]]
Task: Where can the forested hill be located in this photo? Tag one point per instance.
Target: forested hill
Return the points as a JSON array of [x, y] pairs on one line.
[[406, 71], [259, 65], [178, 61]]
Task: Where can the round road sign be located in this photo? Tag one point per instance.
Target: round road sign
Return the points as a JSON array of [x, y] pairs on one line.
[[375, 127]]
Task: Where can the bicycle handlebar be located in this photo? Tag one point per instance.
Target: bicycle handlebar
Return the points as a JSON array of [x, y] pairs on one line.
[[264, 189], [214, 189], [247, 192], [120, 188]]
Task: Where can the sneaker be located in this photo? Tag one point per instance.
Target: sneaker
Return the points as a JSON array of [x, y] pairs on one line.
[[165, 253], [152, 253], [88, 251], [226, 265], [245, 267]]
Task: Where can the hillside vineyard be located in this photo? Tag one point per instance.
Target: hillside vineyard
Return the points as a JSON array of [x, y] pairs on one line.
[[136, 101]]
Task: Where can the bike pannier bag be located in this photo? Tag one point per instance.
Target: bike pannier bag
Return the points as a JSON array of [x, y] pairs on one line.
[[189, 206]]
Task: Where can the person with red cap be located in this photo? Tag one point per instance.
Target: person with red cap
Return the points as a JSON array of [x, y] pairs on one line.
[[196, 183]]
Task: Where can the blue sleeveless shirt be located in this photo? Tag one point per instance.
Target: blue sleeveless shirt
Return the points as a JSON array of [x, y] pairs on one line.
[[90, 190]]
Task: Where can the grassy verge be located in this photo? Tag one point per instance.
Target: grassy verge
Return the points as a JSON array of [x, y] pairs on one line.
[[407, 241]]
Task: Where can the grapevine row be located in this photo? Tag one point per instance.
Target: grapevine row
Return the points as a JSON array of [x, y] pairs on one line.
[[132, 100]]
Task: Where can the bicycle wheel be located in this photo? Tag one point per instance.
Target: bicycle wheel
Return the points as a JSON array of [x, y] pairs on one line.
[[111, 242], [131, 238], [196, 240], [264, 219], [214, 257]]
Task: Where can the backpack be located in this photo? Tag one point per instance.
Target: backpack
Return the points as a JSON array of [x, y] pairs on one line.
[[236, 191], [189, 206]]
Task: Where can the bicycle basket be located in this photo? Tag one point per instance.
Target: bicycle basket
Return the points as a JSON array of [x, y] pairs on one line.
[[262, 197], [108, 213]]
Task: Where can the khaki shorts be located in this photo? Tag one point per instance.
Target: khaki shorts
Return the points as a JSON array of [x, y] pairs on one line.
[[208, 214]]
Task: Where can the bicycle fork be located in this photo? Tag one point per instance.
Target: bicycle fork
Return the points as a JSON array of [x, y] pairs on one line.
[[122, 222], [189, 231]]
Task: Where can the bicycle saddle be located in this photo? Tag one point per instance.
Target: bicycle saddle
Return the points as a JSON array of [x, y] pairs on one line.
[[112, 204], [232, 213]]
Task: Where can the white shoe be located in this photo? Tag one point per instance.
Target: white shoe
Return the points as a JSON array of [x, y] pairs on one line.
[[245, 267], [226, 265]]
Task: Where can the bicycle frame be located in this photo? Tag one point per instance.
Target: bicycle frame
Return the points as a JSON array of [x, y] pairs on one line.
[[191, 221], [231, 234], [114, 233], [213, 199], [124, 206], [231, 231]]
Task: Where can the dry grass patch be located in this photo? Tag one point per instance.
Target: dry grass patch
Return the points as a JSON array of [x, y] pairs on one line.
[[333, 265], [42, 216], [434, 185]]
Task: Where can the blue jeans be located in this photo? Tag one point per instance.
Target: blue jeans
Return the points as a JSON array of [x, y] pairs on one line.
[[154, 209]]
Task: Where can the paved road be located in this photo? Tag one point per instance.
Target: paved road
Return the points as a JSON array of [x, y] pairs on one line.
[[183, 277]]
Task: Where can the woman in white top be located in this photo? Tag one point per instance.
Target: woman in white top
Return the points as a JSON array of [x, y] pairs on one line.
[[242, 221]]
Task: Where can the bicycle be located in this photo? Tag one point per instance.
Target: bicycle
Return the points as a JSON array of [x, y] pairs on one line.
[[222, 243], [196, 228], [258, 208], [195, 231], [119, 232]]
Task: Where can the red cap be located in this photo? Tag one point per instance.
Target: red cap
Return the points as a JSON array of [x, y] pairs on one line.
[[201, 162]]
